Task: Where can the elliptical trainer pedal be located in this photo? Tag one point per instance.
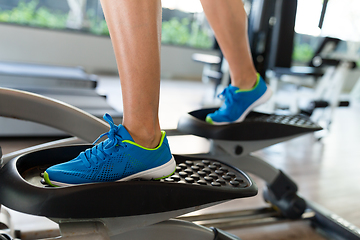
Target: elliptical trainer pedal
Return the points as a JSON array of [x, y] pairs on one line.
[[119, 207]]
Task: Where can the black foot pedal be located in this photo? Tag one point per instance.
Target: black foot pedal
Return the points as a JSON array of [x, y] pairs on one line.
[[256, 126], [196, 183]]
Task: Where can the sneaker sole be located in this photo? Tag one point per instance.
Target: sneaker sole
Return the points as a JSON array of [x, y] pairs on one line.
[[157, 173], [263, 99]]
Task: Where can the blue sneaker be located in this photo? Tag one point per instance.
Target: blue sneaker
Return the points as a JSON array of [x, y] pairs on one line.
[[117, 158], [238, 103]]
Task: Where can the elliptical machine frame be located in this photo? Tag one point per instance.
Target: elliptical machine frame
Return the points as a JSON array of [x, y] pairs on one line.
[[227, 147]]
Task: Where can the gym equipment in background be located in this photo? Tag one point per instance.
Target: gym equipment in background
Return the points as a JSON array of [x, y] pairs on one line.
[[71, 85], [329, 70]]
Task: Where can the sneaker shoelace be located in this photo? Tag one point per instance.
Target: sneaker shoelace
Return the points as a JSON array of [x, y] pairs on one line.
[[97, 153], [226, 95]]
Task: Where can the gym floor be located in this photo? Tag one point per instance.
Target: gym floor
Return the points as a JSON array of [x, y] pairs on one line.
[[326, 171]]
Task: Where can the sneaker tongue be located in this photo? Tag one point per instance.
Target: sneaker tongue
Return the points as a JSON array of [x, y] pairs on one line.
[[124, 133]]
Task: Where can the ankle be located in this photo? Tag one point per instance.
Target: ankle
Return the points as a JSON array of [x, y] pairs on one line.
[[149, 141], [245, 82], [145, 138]]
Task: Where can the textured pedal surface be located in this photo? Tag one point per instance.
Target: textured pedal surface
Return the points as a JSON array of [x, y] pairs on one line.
[[292, 120], [208, 173], [196, 182], [256, 126]]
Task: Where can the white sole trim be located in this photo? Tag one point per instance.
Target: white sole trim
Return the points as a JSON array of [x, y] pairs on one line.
[[263, 99], [153, 173]]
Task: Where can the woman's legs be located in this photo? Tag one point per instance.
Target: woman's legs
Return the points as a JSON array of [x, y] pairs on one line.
[[247, 90], [138, 148], [135, 30], [229, 22]]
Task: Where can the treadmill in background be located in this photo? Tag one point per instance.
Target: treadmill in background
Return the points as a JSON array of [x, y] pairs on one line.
[[71, 85]]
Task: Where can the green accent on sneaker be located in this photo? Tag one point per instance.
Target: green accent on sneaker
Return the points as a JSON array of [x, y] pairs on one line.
[[165, 176], [47, 180], [209, 120], [161, 141], [248, 90]]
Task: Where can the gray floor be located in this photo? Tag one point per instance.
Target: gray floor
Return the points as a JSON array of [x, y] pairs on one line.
[[326, 171]]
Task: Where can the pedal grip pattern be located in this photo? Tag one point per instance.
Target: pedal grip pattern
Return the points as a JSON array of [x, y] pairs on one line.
[[208, 173]]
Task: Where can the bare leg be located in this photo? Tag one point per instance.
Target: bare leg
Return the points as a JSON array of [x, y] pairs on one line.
[[229, 22], [135, 30]]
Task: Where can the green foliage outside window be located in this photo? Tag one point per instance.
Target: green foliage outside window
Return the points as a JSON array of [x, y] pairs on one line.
[[27, 14], [180, 32], [175, 31], [302, 53], [97, 26], [200, 38]]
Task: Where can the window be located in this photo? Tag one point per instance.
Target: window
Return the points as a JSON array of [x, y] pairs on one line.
[[342, 20], [184, 22]]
